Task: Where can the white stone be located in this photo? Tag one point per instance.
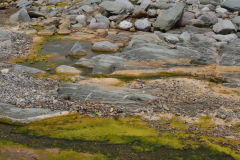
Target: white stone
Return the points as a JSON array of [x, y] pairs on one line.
[[81, 19], [125, 25], [225, 38]]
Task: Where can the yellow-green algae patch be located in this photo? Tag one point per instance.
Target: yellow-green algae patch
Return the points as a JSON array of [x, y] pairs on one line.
[[11, 150], [129, 130]]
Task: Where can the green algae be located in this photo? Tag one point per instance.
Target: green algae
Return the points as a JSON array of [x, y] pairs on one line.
[[130, 131]]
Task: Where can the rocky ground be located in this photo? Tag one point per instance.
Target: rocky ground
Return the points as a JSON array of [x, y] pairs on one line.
[[161, 58]]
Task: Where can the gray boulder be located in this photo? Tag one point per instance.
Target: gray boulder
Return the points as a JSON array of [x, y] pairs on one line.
[[24, 3], [232, 5], [105, 46], [106, 64], [143, 24], [103, 19], [21, 15], [225, 38], [117, 7], [168, 18], [224, 27], [25, 69]]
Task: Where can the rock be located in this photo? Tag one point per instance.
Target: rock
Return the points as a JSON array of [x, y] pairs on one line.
[[236, 20], [25, 69], [171, 38], [232, 5], [152, 12], [83, 62], [105, 46], [160, 4], [27, 115], [78, 50], [168, 18], [63, 69], [221, 10], [209, 18], [24, 3], [186, 18], [226, 38], [87, 8], [117, 7], [139, 13], [230, 54], [125, 25], [87, 2], [143, 24], [21, 15], [99, 25], [46, 32], [53, 2], [145, 4], [103, 19], [81, 19], [106, 64], [185, 37], [5, 44], [192, 1], [146, 37], [103, 94], [102, 81], [35, 14], [224, 27]]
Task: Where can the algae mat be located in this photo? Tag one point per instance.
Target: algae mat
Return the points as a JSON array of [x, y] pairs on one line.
[[120, 138]]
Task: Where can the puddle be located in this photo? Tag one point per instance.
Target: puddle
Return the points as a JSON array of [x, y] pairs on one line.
[[59, 50]]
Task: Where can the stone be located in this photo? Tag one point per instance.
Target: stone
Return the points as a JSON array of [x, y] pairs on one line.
[[152, 12], [209, 18], [171, 38], [236, 20], [105, 46], [143, 24], [24, 3], [232, 5], [103, 94], [26, 115], [230, 54], [106, 64], [87, 8], [125, 25], [78, 49], [103, 19], [192, 1], [117, 6], [35, 14], [102, 81], [64, 69], [145, 4], [185, 37], [186, 18], [21, 15], [99, 25], [81, 19], [224, 27], [221, 10], [168, 18], [25, 69], [139, 13], [46, 32], [226, 38], [53, 2], [86, 63]]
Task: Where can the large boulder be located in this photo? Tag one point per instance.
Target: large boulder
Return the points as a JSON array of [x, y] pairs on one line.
[[168, 18], [232, 5], [21, 15], [224, 27]]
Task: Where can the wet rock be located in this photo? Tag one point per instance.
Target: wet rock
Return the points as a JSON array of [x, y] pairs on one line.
[[224, 27], [83, 62], [105, 46], [125, 25], [105, 64], [232, 5], [143, 24], [21, 15], [67, 70], [168, 18], [78, 49], [25, 69]]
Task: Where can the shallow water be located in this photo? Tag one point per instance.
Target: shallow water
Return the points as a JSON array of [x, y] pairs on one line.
[[60, 50]]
